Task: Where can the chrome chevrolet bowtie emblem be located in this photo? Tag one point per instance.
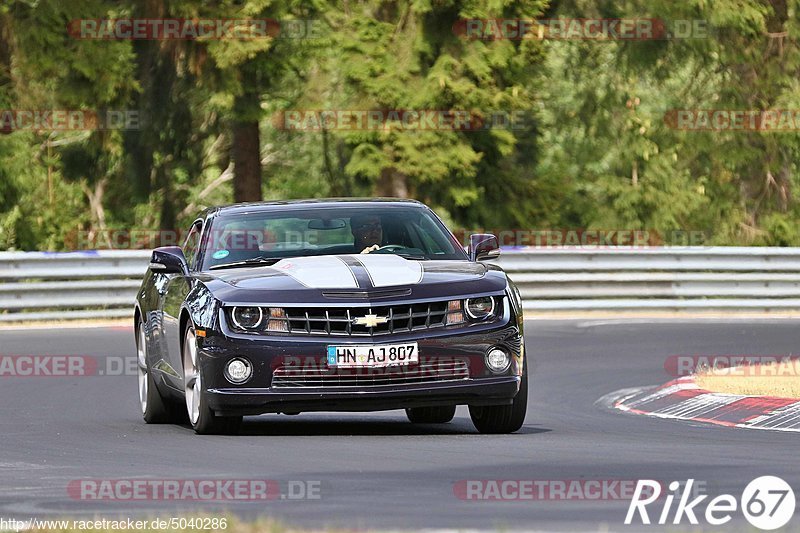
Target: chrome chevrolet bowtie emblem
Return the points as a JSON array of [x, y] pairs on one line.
[[370, 321]]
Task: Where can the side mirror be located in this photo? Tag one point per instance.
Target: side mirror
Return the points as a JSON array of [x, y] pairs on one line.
[[483, 246], [169, 260]]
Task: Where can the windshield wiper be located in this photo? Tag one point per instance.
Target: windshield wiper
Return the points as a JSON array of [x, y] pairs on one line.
[[265, 261]]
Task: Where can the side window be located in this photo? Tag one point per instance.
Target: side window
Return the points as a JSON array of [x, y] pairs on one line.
[[192, 244]]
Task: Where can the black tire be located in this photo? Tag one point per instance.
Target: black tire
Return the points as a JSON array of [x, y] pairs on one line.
[[156, 409], [206, 423], [497, 419], [431, 415], [210, 424]]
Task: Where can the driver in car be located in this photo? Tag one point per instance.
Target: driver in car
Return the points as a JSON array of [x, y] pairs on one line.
[[367, 232]]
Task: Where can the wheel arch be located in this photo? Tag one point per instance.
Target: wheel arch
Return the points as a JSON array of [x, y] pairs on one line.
[[199, 309], [183, 322], [137, 315], [137, 321]]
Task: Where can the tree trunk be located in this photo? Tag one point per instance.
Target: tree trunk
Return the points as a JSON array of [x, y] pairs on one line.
[[247, 162], [96, 204], [246, 149], [6, 80], [392, 183], [168, 220]]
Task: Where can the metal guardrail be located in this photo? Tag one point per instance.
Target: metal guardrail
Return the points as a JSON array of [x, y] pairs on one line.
[[657, 279], [103, 284], [67, 286]]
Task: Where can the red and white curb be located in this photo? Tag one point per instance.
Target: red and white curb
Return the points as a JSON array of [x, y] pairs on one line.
[[682, 399]]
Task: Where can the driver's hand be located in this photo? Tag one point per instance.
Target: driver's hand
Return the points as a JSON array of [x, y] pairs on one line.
[[369, 249]]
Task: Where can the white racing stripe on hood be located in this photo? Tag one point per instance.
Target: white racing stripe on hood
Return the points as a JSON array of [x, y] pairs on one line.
[[387, 270], [324, 272]]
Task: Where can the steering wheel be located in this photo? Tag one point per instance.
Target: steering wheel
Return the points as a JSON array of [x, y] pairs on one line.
[[389, 248]]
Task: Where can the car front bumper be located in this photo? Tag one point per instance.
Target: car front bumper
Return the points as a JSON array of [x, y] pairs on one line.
[[267, 353], [250, 401]]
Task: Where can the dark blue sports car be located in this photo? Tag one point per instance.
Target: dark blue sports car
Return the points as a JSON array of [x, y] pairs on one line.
[[329, 305]]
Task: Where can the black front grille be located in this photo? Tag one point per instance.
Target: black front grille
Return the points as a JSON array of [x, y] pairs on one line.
[[433, 371], [341, 320]]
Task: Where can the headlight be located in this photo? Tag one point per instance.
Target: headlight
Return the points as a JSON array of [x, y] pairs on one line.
[[247, 317], [480, 308], [238, 370]]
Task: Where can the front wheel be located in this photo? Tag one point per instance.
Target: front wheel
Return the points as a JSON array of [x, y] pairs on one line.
[[503, 418], [201, 417], [431, 415]]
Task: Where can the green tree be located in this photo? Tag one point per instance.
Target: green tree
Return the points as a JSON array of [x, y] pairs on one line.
[[606, 131], [406, 56]]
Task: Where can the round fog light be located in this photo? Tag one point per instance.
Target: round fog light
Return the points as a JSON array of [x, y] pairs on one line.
[[498, 360], [238, 371]]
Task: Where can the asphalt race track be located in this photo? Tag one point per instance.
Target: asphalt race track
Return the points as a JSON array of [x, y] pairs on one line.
[[378, 470]]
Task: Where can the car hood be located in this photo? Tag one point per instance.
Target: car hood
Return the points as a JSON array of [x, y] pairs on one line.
[[348, 278]]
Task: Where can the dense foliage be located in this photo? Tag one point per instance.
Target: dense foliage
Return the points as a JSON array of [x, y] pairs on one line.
[[593, 142]]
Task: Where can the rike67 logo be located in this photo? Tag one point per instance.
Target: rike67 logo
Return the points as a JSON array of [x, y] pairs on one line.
[[767, 503]]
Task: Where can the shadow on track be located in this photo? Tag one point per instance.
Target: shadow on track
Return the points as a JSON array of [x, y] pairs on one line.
[[280, 425]]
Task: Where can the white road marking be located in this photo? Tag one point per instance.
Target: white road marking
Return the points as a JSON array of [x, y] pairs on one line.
[[785, 418]]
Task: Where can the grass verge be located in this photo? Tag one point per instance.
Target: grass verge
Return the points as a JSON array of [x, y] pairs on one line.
[[780, 379]]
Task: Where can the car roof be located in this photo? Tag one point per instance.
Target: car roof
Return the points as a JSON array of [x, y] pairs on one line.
[[311, 202]]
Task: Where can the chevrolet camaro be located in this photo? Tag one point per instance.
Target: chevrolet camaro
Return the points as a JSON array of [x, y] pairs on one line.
[[329, 305]]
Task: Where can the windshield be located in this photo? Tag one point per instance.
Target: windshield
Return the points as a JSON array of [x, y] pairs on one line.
[[259, 237]]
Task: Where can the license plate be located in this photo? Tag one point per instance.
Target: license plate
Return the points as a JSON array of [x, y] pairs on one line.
[[373, 355]]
